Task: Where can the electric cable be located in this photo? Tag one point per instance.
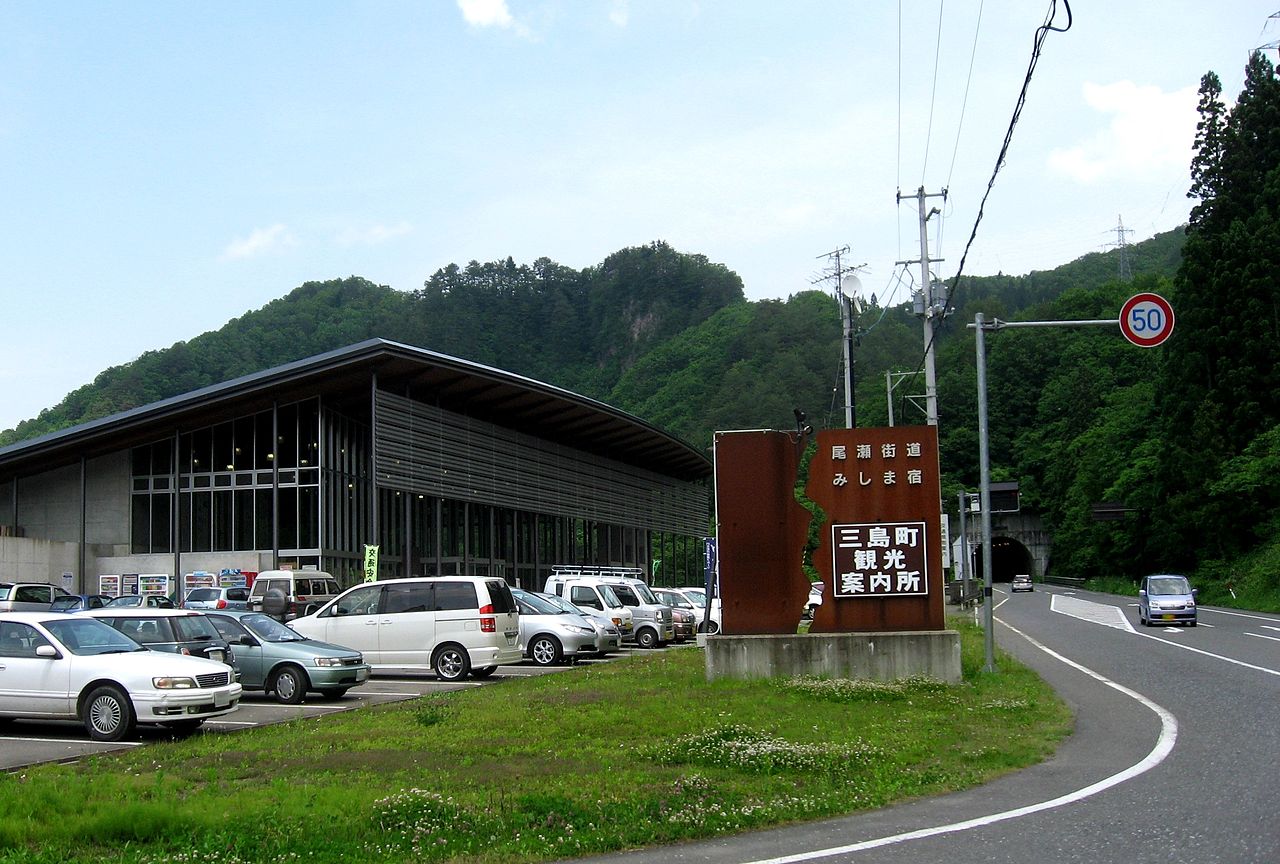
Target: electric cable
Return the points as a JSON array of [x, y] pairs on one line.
[[1037, 46], [933, 92]]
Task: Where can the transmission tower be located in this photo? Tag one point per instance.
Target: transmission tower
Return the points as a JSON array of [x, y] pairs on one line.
[[1122, 243]]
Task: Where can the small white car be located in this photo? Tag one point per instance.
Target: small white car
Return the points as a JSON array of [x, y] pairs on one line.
[[62, 666], [1021, 582]]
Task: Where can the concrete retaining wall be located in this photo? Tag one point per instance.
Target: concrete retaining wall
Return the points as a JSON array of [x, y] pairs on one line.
[[874, 656]]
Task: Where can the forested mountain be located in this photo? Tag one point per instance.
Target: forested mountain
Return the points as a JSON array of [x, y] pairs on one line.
[[1185, 435]]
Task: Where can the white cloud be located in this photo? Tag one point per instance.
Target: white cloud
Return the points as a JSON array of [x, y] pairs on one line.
[[373, 235], [260, 242], [486, 13], [620, 13], [1150, 134]]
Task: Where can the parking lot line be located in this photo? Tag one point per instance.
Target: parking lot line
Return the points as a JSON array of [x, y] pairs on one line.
[[73, 741]]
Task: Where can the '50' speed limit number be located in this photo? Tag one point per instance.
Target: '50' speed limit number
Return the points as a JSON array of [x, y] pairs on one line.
[[1146, 319]]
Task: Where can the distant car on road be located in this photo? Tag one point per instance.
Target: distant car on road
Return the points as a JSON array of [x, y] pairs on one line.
[[1022, 582], [1166, 597]]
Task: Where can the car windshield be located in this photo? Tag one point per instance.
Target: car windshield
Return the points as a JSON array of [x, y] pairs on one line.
[[558, 602], [540, 606], [699, 598], [62, 603], [671, 598], [269, 629], [4, 591], [1168, 585], [203, 594], [646, 596], [627, 596], [90, 636], [610, 599]]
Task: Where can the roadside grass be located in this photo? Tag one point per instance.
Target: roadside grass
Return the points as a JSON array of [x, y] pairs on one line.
[[590, 760]]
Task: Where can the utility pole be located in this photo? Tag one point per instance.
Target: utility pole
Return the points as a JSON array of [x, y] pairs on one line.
[[845, 277], [926, 304]]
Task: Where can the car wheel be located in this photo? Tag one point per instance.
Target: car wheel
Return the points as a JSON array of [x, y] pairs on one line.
[[544, 650], [484, 672], [451, 663], [108, 714], [333, 694], [646, 638], [289, 684], [1191, 623], [711, 628]]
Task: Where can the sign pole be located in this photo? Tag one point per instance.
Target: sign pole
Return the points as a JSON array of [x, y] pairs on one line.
[[1146, 320], [984, 459]]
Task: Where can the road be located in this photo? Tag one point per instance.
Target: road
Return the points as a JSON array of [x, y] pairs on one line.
[[1173, 758]]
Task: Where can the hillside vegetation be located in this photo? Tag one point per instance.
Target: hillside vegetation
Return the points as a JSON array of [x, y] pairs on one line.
[[1184, 435]]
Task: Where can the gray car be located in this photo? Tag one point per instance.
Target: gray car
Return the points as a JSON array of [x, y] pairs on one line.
[[1166, 598], [608, 636], [276, 659], [28, 596], [217, 598], [550, 635]]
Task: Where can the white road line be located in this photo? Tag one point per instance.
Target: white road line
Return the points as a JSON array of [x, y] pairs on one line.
[[1087, 610], [1238, 614], [1261, 636], [231, 723], [1163, 747], [1266, 627], [1231, 660]]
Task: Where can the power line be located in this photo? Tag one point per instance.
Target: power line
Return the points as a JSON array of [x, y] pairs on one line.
[[964, 102], [1041, 34], [933, 93]]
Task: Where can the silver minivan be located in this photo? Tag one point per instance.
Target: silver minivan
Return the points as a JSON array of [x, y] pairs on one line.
[[28, 596], [452, 625]]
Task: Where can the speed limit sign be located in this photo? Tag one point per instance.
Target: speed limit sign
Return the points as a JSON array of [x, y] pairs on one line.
[[1146, 319]]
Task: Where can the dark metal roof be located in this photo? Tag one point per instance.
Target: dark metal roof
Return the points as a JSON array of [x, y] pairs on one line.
[[341, 377]]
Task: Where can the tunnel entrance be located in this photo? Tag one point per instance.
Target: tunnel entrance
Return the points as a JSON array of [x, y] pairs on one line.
[[1008, 559]]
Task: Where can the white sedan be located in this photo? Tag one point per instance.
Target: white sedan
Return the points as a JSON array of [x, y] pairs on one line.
[[56, 666]]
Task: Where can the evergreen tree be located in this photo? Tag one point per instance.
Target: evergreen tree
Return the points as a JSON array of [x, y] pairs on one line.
[[1218, 382]]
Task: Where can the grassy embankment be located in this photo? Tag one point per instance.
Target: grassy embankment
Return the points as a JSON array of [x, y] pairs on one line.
[[598, 758], [1252, 582]]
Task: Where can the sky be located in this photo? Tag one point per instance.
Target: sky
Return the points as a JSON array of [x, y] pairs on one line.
[[166, 167]]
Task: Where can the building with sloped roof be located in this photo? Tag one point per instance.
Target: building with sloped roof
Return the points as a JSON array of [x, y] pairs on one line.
[[447, 466]]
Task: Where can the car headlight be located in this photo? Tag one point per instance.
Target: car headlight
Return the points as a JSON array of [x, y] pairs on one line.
[[327, 661], [574, 628], [170, 682]]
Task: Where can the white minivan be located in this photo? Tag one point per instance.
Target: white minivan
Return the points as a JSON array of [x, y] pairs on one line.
[[452, 625]]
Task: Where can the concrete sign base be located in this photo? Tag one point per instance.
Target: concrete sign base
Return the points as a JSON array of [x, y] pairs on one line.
[[872, 656]]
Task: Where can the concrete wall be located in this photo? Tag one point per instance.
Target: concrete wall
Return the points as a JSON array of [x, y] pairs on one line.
[[49, 503], [28, 560], [874, 656]]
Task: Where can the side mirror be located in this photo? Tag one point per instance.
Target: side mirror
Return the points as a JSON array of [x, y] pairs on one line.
[[246, 639], [1142, 592], [1195, 592], [47, 651]]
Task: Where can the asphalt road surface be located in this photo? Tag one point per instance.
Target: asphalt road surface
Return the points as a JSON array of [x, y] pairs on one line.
[[1174, 756]]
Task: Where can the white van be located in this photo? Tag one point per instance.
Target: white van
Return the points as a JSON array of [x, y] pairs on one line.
[[452, 625], [593, 598], [305, 591], [651, 623]]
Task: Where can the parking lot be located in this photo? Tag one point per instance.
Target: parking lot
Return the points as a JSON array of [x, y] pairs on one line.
[[27, 742]]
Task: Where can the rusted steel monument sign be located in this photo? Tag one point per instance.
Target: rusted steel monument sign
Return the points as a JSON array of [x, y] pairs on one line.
[[880, 547]]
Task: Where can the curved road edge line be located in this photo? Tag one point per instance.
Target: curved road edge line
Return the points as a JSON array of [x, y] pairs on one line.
[[1164, 746]]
